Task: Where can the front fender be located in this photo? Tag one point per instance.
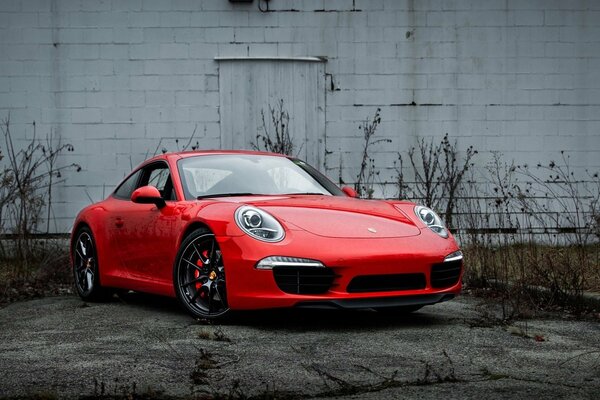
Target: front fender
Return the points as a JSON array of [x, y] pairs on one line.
[[218, 217]]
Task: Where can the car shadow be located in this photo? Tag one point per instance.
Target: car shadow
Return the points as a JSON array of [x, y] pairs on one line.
[[149, 301], [302, 320], [294, 319]]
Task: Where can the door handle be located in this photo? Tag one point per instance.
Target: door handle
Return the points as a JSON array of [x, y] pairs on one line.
[[119, 223]]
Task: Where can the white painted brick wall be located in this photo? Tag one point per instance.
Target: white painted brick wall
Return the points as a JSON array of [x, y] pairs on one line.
[[114, 77]]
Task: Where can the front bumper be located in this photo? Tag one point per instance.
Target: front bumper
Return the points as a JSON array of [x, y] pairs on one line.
[[249, 288]]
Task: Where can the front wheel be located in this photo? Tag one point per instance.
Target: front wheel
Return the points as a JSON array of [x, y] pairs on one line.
[[199, 276]]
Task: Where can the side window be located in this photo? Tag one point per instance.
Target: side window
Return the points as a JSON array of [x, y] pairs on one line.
[[127, 187], [158, 178], [158, 175]]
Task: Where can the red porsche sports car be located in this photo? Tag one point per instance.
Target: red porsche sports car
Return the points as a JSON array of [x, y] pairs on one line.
[[236, 230]]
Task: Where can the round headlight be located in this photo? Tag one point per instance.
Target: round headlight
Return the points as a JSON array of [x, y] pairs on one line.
[[252, 219], [259, 224], [432, 220]]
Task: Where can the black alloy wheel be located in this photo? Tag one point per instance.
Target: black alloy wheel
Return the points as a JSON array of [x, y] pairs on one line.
[[199, 276], [85, 267]]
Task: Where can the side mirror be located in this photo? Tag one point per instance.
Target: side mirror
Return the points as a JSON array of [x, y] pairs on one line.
[[349, 191], [148, 195]]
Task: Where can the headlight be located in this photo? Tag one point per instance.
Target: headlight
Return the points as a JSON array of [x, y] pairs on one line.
[[259, 224], [432, 220]]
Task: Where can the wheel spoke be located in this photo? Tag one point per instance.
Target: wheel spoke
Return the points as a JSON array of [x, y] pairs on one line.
[[83, 249], [211, 260], [197, 251], [198, 279], [192, 264], [215, 258], [89, 279], [221, 296], [195, 296], [81, 276], [211, 294], [79, 254]]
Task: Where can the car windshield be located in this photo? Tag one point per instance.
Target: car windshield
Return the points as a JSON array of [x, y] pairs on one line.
[[247, 174]]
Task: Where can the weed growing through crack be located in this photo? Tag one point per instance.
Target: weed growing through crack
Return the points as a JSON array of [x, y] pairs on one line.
[[31, 266], [28, 176], [532, 238], [443, 374], [204, 364], [118, 389], [216, 334]]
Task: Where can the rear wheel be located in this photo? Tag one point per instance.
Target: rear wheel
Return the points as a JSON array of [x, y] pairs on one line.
[[85, 267], [199, 276]]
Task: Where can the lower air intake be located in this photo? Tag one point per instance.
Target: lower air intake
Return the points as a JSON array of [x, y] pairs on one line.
[[303, 280], [445, 274], [386, 283]]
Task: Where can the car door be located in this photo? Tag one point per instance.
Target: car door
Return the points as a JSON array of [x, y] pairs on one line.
[[144, 233]]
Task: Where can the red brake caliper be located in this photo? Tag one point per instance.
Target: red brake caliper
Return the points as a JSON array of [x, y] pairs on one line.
[[200, 264]]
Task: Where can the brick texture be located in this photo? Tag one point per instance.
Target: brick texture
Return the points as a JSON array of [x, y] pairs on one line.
[[114, 77]]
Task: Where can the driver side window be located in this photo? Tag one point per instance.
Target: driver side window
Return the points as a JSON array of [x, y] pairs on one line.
[[158, 175], [124, 190]]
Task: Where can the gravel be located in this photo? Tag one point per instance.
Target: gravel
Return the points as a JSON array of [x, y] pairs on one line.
[[145, 346]]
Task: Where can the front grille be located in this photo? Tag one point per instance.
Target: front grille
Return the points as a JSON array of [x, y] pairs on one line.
[[385, 283], [445, 274], [303, 280]]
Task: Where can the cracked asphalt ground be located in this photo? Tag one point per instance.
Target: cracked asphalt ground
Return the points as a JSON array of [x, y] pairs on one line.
[[146, 346]]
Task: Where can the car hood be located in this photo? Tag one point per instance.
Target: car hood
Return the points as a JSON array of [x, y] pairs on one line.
[[337, 217]]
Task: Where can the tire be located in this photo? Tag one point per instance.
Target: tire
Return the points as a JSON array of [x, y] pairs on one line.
[[199, 276], [85, 268]]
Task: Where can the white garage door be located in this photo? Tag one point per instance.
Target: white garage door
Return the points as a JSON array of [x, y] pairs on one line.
[[248, 86]]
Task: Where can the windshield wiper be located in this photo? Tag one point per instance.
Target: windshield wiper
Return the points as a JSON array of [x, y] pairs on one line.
[[208, 196]]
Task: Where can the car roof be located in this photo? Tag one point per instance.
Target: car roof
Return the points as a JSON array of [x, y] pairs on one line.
[[185, 154]]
